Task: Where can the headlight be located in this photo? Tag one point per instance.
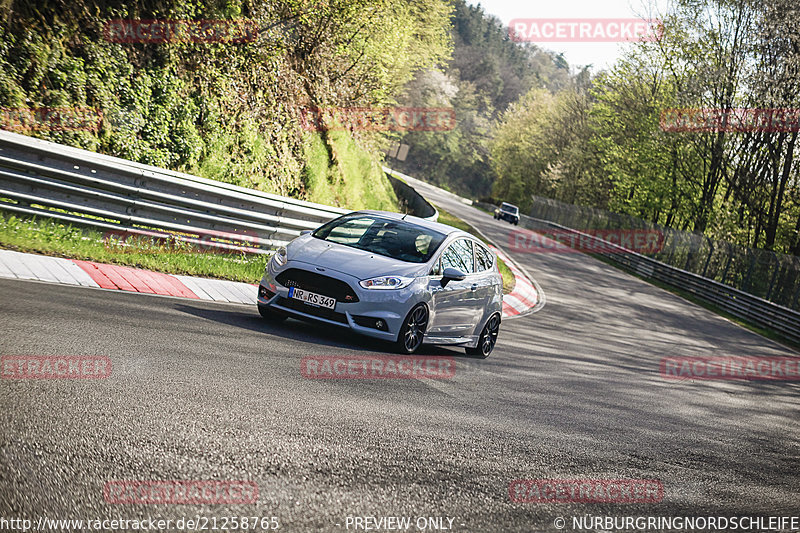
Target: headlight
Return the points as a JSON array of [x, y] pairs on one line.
[[386, 282], [279, 257]]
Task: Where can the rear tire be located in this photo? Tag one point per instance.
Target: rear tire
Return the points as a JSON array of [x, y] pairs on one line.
[[269, 314], [413, 330], [488, 338]]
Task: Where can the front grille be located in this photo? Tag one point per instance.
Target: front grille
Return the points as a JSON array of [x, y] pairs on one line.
[[311, 281], [303, 307]]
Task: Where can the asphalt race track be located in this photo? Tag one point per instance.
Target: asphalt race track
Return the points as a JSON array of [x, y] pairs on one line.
[[209, 391]]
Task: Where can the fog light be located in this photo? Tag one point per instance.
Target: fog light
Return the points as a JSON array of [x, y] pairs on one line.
[[371, 322], [263, 292]]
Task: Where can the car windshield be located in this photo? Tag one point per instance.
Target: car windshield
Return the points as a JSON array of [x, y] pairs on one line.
[[510, 208], [397, 239]]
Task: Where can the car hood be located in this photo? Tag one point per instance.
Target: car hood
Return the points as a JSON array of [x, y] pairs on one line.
[[352, 261]]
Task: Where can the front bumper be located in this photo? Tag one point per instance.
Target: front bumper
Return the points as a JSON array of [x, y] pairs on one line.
[[390, 306]]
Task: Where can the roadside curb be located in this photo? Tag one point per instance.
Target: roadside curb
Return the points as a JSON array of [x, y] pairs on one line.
[[524, 299], [527, 297], [19, 265]]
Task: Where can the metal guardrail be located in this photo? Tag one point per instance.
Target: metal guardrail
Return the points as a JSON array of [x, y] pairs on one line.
[[766, 274], [123, 197], [411, 201], [84, 188], [734, 301], [407, 179]]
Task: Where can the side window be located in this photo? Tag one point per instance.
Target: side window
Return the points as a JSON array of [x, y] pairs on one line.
[[467, 256], [459, 255], [450, 258], [483, 258]]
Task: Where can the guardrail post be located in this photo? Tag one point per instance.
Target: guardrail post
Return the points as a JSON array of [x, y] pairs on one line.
[[778, 268], [689, 254], [727, 265], [731, 299], [796, 294], [710, 254], [671, 248], [102, 192], [746, 282]]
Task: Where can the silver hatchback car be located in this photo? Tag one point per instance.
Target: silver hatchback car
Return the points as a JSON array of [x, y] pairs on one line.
[[390, 276]]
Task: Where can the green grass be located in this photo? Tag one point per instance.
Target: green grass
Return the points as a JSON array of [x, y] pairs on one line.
[[353, 180], [452, 220], [51, 237]]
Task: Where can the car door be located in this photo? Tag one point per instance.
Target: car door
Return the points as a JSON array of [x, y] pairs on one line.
[[455, 304], [485, 279]]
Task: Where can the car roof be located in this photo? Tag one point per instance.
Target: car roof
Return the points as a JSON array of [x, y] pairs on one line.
[[507, 205], [428, 224]]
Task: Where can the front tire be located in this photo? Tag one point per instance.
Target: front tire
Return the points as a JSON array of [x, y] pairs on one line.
[[488, 338], [269, 314], [413, 331]]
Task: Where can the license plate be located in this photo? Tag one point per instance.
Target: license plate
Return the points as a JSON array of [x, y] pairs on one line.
[[312, 298]]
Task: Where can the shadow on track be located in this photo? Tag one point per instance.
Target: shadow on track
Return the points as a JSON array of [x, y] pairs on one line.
[[312, 332]]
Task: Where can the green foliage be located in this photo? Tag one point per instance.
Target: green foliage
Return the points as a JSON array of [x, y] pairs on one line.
[[600, 142], [487, 73], [362, 51], [520, 148], [353, 179], [220, 109], [636, 156]]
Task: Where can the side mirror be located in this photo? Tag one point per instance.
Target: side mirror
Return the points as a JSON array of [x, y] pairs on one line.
[[305, 232], [452, 274]]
